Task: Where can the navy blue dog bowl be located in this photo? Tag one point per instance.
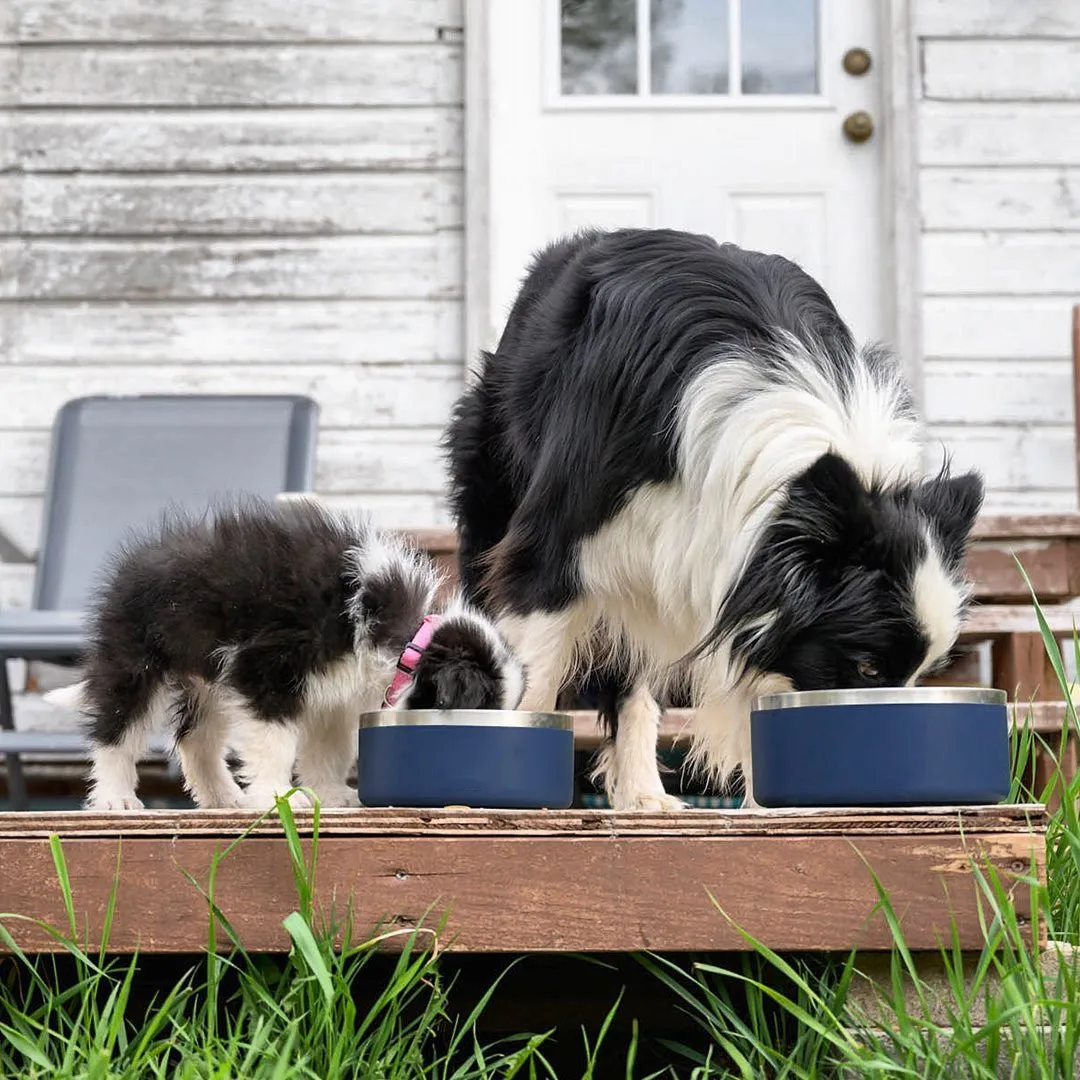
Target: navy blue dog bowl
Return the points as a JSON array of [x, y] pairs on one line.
[[918, 746], [489, 759]]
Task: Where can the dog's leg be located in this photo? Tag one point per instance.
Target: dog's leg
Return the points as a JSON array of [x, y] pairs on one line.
[[328, 744], [628, 765], [201, 724], [267, 750], [544, 643], [721, 739], [749, 802]]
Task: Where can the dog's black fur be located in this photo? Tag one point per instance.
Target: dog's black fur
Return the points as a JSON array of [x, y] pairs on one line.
[[575, 414]]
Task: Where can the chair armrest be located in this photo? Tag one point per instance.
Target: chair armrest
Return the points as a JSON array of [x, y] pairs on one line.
[[67, 743], [38, 635]]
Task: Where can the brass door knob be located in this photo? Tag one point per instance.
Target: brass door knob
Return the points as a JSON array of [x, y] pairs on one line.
[[856, 61], [858, 126]]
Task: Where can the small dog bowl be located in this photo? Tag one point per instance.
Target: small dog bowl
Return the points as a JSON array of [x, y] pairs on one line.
[[490, 759], [917, 746]]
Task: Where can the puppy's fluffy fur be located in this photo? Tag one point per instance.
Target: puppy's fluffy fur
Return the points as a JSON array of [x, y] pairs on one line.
[[267, 629], [678, 460]]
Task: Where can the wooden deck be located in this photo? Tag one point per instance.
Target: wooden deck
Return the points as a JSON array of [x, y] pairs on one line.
[[520, 882]]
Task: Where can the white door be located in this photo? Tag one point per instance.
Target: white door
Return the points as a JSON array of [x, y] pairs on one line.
[[717, 116]]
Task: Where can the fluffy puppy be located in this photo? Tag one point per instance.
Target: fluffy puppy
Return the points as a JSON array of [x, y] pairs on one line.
[[678, 460], [266, 629]]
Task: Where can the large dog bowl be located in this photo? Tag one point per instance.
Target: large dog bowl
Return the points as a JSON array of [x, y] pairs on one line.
[[916, 746], [489, 759]]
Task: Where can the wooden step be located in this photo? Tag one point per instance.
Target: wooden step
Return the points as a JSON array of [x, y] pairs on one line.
[[1045, 717], [1046, 545], [529, 881], [987, 621]]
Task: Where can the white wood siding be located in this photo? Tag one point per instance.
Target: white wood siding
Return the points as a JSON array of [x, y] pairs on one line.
[[999, 179], [234, 195]]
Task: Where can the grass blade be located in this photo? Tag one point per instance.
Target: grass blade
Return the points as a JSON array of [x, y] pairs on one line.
[[304, 940]]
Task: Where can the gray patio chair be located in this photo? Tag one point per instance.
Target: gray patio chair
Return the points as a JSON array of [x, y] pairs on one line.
[[118, 462]]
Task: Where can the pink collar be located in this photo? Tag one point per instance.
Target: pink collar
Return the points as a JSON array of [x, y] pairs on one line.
[[410, 657]]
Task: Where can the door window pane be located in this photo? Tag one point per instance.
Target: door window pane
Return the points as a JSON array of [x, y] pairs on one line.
[[689, 46], [779, 47], [599, 46], [686, 45]]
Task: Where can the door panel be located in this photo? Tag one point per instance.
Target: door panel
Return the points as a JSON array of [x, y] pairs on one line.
[[716, 116]]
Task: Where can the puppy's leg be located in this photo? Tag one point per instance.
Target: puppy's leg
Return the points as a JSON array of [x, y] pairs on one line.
[[627, 764], [328, 745], [267, 750], [113, 772], [544, 643], [201, 725], [121, 717]]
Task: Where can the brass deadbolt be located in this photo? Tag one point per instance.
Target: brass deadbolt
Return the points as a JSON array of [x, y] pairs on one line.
[[858, 127], [856, 61]]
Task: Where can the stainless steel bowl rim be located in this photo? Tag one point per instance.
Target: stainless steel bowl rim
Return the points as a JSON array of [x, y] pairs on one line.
[[885, 695], [487, 718]]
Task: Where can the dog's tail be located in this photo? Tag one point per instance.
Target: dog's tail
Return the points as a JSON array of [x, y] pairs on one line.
[[71, 697]]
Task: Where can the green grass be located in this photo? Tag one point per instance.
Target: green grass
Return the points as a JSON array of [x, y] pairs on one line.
[[1012, 1016], [326, 1012], [240, 1016]]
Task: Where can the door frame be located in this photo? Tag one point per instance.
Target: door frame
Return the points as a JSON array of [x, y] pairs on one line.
[[899, 96]]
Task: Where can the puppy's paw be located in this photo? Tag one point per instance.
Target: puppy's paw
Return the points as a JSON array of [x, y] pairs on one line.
[[337, 796], [649, 802], [114, 800]]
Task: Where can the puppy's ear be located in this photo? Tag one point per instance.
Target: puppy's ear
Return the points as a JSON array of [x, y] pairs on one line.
[[466, 685], [394, 590], [952, 504], [453, 684]]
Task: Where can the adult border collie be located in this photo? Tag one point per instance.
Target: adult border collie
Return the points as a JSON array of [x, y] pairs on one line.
[[267, 629], [678, 461]]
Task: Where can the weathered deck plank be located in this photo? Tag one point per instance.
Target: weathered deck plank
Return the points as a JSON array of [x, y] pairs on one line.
[[532, 881]]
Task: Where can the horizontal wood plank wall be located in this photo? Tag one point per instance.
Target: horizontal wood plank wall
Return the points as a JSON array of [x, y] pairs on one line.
[[999, 180], [234, 195]]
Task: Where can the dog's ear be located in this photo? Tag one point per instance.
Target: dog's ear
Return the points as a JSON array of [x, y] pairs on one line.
[[952, 504], [828, 508], [826, 521]]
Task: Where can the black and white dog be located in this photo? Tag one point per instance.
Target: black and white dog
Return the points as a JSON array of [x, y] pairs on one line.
[[678, 461], [267, 629]]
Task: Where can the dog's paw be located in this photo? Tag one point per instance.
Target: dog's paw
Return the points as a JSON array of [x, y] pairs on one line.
[[299, 800], [338, 796], [114, 801], [266, 800], [220, 802], [649, 802]]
